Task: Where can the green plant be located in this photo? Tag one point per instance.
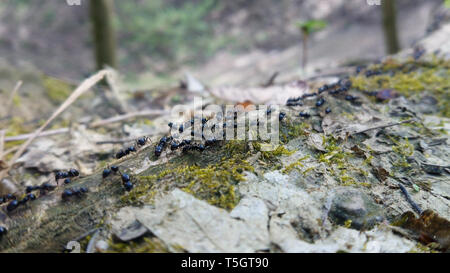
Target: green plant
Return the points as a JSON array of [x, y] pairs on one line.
[[307, 28]]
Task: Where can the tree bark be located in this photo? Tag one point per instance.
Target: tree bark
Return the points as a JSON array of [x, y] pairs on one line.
[[390, 26], [101, 13]]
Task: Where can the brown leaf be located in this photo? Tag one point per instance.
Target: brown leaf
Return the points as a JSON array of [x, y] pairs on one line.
[[428, 227], [380, 173], [276, 94]]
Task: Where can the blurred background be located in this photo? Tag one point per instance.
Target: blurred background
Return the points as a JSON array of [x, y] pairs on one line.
[[154, 42]]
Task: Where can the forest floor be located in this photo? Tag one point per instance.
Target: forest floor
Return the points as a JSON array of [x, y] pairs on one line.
[[361, 166]]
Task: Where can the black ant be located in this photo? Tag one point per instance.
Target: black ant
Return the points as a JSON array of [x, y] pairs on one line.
[[64, 175], [31, 188], [12, 205], [323, 88], [281, 116], [142, 141], [328, 110], [3, 231], [174, 145], [120, 154], [74, 192], [46, 187], [28, 197], [106, 173], [290, 103], [131, 149], [350, 98], [304, 114], [162, 144], [126, 182], [61, 175], [73, 173], [189, 147], [320, 102], [7, 198]]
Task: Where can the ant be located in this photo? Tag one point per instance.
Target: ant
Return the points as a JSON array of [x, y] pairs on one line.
[[28, 197], [121, 153], [162, 144], [73, 173], [3, 231], [106, 173], [46, 187], [174, 145], [304, 114], [126, 182], [7, 198], [142, 141], [350, 98], [61, 175], [189, 147], [323, 88], [29, 189], [73, 192], [12, 205], [320, 102]]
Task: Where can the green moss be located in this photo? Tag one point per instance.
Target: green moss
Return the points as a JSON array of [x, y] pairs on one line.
[[57, 90], [296, 165], [274, 154], [336, 158], [214, 182], [411, 78], [403, 150]]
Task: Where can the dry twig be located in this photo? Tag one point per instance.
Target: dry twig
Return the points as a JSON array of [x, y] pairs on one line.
[[80, 90], [384, 126], [42, 134]]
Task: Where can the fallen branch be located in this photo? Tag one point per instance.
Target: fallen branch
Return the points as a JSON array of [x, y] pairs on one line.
[[127, 116], [384, 126], [271, 79], [42, 134], [409, 199]]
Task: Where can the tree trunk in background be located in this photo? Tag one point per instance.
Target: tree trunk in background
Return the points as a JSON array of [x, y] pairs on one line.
[[101, 13], [390, 26]]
